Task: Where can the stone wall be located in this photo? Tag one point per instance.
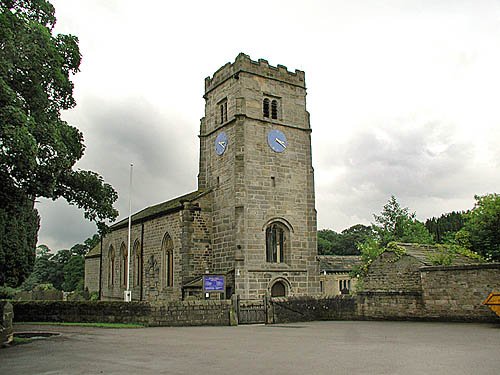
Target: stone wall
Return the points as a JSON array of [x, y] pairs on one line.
[[456, 292], [301, 309], [185, 313], [451, 293], [6, 317], [390, 305], [392, 273], [92, 270]]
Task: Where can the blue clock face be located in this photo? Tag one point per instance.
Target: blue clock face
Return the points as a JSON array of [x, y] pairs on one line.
[[277, 140], [221, 143]]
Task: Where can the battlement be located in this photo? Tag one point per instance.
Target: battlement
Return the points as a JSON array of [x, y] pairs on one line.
[[243, 63]]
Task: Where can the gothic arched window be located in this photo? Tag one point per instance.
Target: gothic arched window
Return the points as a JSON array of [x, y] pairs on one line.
[[111, 270], [124, 263], [168, 261], [138, 263], [276, 242]]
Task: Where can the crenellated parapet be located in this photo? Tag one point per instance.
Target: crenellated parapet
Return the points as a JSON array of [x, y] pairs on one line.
[[243, 63]]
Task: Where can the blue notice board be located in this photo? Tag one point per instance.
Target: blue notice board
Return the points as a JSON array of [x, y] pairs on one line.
[[214, 283]]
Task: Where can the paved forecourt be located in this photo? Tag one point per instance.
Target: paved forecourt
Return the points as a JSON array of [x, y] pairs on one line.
[[338, 347]]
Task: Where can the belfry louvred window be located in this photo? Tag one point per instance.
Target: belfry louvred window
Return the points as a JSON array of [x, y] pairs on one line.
[[223, 112], [274, 109], [265, 107]]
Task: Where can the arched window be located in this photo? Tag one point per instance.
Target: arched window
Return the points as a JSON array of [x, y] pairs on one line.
[[265, 107], [278, 289], [124, 263], [168, 261], [111, 269], [276, 242], [138, 263], [274, 109]]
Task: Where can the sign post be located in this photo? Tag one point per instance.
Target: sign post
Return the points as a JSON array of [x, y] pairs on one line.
[[214, 284]]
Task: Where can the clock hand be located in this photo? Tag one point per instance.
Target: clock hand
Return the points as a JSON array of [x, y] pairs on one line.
[[281, 142]]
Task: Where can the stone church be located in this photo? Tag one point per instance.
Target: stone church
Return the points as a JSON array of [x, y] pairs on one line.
[[252, 220]]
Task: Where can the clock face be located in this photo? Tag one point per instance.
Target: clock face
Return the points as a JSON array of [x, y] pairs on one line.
[[277, 140], [221, 143]]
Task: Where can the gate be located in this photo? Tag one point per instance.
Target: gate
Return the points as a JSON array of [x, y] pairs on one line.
[[251, 311]]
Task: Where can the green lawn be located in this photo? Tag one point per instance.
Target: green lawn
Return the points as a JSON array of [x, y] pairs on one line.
[[99, 325]]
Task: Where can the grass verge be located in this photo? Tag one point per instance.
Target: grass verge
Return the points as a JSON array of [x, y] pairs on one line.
[[98, 325]]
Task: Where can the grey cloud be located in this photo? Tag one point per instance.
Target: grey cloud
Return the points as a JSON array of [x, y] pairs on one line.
[[417, 164], [164, 152]]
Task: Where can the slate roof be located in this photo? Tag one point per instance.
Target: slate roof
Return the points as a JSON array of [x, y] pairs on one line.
[[422, 253], [94, 252], [338, 263], [160, 209]]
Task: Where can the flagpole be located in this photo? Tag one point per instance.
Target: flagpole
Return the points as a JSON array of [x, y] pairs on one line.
[[128, 294]]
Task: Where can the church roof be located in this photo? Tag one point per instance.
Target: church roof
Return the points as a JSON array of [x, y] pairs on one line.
[[338, 263], [161, 209], [94, 252], [425, 253]]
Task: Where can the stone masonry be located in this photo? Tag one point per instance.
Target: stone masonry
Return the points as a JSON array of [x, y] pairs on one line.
[[243, 192], [253, 185]]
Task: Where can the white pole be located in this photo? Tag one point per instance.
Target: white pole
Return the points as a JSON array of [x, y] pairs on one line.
[[128, 296]]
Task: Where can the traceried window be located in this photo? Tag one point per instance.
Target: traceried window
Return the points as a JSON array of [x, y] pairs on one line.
[[111, 270], [276, 242], [137, 263], [168, 261]]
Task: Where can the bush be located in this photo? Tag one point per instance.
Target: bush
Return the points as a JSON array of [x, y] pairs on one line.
[[7, 292]]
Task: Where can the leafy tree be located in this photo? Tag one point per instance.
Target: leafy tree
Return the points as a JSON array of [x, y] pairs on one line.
[[74, 273], [444, 227], [19, 225], [63, 270], [326, 239], [37, 148], [481, 230], [352, 237], [397, 224], [344, 243]]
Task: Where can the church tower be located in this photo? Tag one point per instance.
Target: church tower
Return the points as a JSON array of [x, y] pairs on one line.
[[255, 157]]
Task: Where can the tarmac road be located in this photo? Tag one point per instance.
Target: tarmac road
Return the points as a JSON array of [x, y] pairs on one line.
[[301, 348]]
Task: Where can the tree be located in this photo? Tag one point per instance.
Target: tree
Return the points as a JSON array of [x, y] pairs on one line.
[[353, 236], [481, 230], [74, 273], [397, 224], [344, 243], [326, 239], [37, 148], [64, 270], [444, 227]]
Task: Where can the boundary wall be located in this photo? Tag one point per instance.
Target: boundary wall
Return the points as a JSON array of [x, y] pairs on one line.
[[446, 293], [185, 313]]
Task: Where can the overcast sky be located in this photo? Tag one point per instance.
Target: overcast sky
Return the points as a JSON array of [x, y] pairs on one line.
[[403, 96]]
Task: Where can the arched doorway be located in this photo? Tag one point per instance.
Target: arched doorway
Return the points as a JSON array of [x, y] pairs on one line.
[[278, 289]]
